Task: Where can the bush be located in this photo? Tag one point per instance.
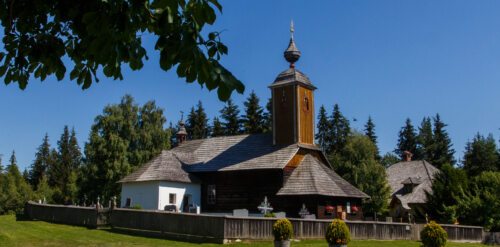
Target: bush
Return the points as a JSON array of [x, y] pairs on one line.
[[338, 232], [433, 235], [136, 206], [270, 215], [282, 230]]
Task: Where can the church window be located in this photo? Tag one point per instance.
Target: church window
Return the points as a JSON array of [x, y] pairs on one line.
[[172, 198], [211, 194], [306, 104]]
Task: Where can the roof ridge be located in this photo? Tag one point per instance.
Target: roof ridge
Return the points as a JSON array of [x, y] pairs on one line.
[[426, 170]]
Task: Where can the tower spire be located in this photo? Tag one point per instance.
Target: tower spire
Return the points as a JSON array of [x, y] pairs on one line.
[[292, 54]]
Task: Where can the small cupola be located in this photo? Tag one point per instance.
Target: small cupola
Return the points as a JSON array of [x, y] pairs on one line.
[[181, 134]]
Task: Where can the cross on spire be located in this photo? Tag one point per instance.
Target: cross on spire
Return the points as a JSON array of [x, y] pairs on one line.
[[292, 54]]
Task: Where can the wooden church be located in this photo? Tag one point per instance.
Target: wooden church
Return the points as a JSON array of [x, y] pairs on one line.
[[222, 174]]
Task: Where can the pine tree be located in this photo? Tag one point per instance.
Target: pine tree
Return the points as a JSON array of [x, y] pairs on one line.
[[253, 120], [426, 139], [370, 132], [339, 131], [197, 122], [268, 116], [442, 146], [480, 155], [407, 141], [41, 163], [324, 129], [217, 128], [230, 114]]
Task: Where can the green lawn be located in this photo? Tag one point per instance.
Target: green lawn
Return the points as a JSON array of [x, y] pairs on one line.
[[37, 233]]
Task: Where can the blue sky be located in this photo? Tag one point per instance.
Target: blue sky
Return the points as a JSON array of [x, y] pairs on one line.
[[388, 59]]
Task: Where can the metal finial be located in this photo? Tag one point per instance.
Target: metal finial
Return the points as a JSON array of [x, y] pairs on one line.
[[292, 54]]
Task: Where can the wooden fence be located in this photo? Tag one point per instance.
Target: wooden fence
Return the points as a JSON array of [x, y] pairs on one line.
[[220, 229], [71, 215]]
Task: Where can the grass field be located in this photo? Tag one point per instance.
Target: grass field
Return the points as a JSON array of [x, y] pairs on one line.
[[37, 233]]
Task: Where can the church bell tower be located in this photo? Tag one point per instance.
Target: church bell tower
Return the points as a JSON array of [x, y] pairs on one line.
[[293, 102]]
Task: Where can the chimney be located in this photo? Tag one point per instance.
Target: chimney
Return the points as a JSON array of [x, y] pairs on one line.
[[407, 155]]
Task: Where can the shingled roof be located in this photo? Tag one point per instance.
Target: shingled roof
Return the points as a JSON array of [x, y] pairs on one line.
[[312, 177], [292, 76], [164, 167], [402, 172], [227, 153]]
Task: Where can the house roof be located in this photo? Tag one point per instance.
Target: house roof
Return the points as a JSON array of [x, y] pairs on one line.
[[164, 167], [227, 153], [292, 76], [411, 171], [313, 177]]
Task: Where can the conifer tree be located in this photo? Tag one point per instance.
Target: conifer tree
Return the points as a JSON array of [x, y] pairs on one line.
[[1, 166], [339, 131], [407, 141], [253, 120], [426, 139], [480, 155], [230, 114], [389, 159], [217, 128], [41, 163], [370, 132], [442, 146], [197, 122], [268, 116], [324, 128]]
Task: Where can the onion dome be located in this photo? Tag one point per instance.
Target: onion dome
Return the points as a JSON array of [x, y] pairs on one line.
[[292, 53]]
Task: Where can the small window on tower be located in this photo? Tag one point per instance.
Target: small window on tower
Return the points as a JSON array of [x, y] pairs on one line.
[[306, 104]]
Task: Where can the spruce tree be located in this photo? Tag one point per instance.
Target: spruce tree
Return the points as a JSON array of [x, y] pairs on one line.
[[41, 163], [339, 131], [370, 132], [253, 120], [197, 122], [217, 128], [15, 191], [407, 141], [230, 114], [268, 116], [426, 139], [480, 155], [324, 128], [442, 146]]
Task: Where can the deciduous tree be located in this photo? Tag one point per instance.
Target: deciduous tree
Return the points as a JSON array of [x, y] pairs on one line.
[[98, 37]]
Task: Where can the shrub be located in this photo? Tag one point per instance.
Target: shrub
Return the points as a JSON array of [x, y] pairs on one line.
[[136, 206], [270, 215], [338, 232], [433, 235], [282, 230]]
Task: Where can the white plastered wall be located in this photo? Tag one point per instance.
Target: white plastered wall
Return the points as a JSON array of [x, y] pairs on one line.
[[180, 189], [144, 194]]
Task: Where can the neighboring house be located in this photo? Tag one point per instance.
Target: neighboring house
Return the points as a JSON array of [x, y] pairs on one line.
[[409, 181], [221, 174]]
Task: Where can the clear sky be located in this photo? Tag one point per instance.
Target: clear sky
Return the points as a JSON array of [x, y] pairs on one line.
[[388, 59]]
